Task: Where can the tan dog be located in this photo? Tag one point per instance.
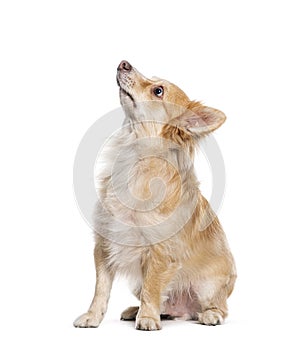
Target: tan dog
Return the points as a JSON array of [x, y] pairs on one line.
[[152, 224]]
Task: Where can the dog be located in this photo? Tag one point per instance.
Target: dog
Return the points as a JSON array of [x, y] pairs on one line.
[[152, 223]]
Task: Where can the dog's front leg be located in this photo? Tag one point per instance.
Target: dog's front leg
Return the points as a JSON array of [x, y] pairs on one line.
[[98, 306], [158, 271]]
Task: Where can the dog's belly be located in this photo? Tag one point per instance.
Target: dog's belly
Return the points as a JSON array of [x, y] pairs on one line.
[[183, 305]]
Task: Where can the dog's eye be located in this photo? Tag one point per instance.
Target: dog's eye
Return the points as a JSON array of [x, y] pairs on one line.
[[158, 91]]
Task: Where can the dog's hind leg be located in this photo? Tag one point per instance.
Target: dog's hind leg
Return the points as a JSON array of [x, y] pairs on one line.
[[212, 295], [129, 314]]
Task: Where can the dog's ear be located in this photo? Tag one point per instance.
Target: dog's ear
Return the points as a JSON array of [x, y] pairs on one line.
[[199, 119]]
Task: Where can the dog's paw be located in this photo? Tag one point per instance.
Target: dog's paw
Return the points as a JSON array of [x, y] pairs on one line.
[[129, 313], [210, 318], [147, 324], [87, 320]]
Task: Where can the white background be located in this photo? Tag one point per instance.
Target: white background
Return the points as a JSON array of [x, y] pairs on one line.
[[57, 76]]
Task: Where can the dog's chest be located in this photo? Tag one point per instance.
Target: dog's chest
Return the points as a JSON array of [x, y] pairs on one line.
[[142, 188], [127, 261]]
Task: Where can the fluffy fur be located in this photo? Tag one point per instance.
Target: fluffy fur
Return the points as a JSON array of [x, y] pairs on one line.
[[151, 223]]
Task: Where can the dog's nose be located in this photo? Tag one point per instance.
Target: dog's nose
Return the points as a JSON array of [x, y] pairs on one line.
[[124, 66]]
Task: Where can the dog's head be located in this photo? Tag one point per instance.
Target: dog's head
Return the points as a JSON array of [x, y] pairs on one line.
[[160, 101]]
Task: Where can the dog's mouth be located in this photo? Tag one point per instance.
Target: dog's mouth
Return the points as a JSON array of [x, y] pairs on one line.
[[124, 91]]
